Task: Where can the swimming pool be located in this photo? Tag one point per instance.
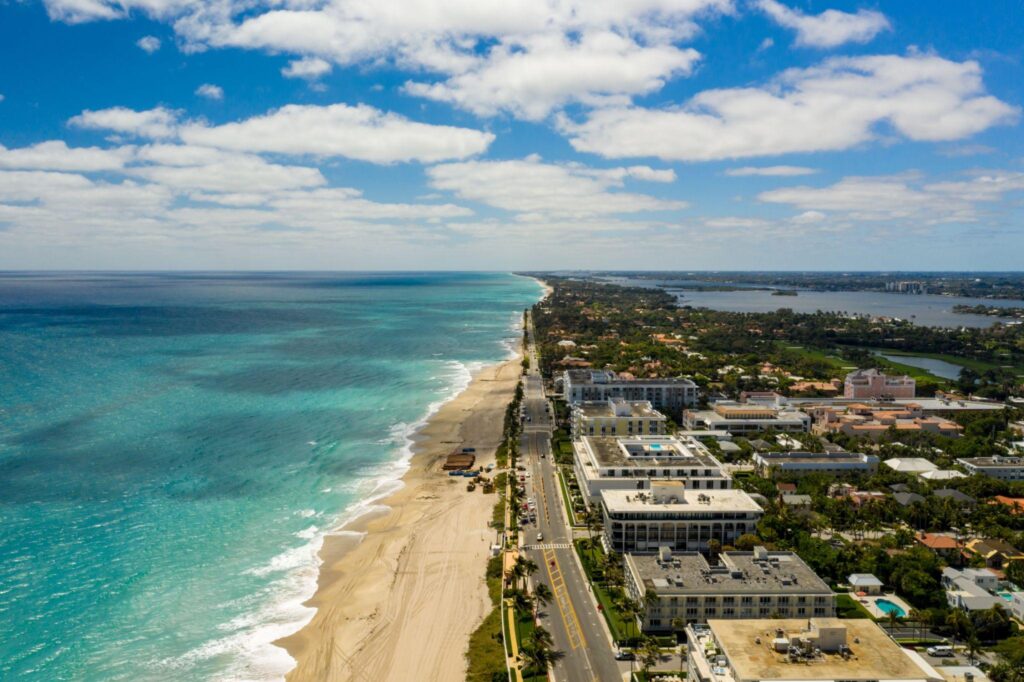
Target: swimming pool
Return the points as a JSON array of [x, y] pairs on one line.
[[1006, 596], [887, 607]]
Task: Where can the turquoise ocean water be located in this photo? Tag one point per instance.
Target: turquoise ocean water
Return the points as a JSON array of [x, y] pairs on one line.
[[173, 448]]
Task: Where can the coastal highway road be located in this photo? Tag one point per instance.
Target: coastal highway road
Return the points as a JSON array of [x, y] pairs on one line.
[[575, 624]]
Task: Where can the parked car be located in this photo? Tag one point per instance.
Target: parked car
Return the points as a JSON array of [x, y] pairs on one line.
[[624, 655], [940, 651]]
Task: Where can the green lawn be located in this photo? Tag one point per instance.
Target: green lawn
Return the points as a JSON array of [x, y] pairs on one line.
[[566, 498], [848, 607]]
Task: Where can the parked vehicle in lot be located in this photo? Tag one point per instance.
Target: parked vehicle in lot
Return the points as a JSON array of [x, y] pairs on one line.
[[940, 651], [624, 655]]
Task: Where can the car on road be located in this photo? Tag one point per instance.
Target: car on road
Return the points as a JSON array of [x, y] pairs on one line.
[[940, 651], [540, 537]]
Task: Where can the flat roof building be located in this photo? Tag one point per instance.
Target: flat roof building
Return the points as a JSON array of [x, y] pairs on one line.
[[616, 417], [769, 464], [870, 383], [740, 418], [800, 650], [757, 584], [999, 466], [670, 396], [606, 463], [669, 515]]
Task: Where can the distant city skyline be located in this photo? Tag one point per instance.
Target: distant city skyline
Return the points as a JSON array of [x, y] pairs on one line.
[[542, 135]]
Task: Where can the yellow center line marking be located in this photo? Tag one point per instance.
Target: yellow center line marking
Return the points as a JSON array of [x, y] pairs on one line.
[[573, 628]]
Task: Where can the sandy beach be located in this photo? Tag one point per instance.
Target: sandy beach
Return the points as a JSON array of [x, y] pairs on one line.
[[401, 602]]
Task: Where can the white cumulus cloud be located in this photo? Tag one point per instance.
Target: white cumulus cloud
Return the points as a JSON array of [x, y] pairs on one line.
[[148, 44], [834, 106], [530, 77], [57, 156], [831, 28], [210, 91], [356, 132], [545, 191], [309, 68], [156, 123]]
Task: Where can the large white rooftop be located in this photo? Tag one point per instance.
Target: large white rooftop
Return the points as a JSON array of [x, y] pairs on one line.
[[678, 500]]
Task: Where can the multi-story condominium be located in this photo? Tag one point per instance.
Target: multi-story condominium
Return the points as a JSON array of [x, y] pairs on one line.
[[800, 650], [616, 417], [740, 418], [999, 466], [606, 463], [969, 589], [758, 584], [770, 464], [669, 515], [870, 383], [670, 396]]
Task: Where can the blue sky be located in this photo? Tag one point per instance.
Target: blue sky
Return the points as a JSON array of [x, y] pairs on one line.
[[668, 134]]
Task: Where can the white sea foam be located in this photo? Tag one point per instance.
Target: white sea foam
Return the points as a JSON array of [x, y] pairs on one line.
[[249, 641], [307, 533]]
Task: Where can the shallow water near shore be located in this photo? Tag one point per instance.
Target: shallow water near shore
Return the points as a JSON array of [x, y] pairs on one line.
[[173, 448]]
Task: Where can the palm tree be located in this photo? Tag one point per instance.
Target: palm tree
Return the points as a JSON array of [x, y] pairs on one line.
[[649, 599], [631, 610], [918, 618], [958, 621], [515, 573], [542, 595], [649, 653], [537, 651], [521, 603], [678, 625], [594, 523], [529, 566], [892, 623], [973, 647]]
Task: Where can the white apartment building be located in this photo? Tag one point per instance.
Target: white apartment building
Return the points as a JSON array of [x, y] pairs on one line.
[[757, 584], [837, 464], [670, 396], [606, 463], [669, 515], [616, 417], [800, 650], [1000, 466]]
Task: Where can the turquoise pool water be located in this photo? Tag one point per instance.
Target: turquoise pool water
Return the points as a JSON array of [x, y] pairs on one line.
[[888, 607], [1005, 596]]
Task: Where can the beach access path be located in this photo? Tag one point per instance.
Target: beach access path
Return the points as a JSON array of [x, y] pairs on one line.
[[401, 603]]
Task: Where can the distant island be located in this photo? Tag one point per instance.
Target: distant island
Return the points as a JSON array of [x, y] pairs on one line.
[[993, 285], [784, 292], [993, 310]]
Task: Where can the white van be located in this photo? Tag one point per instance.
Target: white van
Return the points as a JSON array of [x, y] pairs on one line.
[[940, 651]]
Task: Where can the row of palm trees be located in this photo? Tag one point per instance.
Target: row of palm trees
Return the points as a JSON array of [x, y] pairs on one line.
[[537, 650]]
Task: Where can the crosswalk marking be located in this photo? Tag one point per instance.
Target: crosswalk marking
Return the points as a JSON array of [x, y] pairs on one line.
[[550, 545]]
